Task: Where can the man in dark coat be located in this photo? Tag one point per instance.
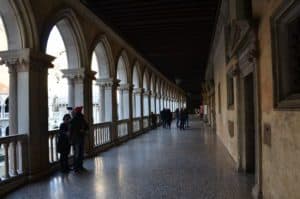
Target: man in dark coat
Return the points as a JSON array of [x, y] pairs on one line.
[[78, 128]]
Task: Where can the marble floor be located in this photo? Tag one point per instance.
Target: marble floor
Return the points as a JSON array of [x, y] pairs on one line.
[[164, 163]]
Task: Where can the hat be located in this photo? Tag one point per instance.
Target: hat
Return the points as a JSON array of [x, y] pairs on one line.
[[78, 109]]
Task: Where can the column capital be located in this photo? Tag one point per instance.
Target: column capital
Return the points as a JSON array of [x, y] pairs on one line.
[[125, 86], [138, 90], [107, 82], [148, 92], [74, 73], [25, 59], [153, 94]]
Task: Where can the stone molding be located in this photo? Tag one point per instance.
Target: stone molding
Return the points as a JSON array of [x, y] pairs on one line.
[[22, 60], [107, 83], [125, 87], [138, 91]]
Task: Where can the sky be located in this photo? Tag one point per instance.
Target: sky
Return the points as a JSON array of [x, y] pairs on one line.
[[4, 78]]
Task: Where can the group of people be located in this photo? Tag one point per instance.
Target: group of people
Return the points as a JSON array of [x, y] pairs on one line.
[[182, 118], [72, 132], [166, 118]]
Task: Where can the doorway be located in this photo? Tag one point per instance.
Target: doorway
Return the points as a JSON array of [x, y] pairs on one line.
[[249, 108]]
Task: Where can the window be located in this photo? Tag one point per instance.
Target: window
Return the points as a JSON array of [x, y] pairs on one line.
[[286, 56], [230, 91]]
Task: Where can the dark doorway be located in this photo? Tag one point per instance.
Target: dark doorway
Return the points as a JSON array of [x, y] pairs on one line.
[[249, 123]]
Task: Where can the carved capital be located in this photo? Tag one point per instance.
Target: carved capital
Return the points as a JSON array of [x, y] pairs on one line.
[[25, 59], [74, 73], [107, 83], [138, 90], [125, 86], [147, 93]]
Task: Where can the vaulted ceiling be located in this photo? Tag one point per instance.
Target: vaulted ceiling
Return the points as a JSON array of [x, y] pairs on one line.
[[174, 35]]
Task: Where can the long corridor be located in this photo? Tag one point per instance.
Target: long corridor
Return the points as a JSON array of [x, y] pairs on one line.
[[160, 164]]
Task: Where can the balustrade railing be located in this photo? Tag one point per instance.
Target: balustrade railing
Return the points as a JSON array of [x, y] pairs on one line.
[[145, 122], [52, 140], [53, 153], [13, 156], [136, 123], [122, 128], [158, 119], [101, 133]]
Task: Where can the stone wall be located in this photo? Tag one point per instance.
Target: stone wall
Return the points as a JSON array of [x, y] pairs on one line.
[[225, 116], [277, 138], [280, 158]]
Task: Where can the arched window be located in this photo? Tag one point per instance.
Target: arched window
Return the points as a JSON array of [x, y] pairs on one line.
[[157, 91], [57, 85], [136, 100], [122, 99], [4, 82], [100, 65], [146, 96], [152, 88]]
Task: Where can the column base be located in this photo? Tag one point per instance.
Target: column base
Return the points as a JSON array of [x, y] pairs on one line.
[[257, 192]]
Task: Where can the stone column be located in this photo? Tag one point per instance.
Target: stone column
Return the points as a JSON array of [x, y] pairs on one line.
[[80, 94], [125, 88], [76, 85], [101, 100], [29, 71], [146, 103], [138, 99], [71, 92], [114, 111], [13, 100]]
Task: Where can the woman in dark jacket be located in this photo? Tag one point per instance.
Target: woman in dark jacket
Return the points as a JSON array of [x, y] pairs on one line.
[[63, 143]]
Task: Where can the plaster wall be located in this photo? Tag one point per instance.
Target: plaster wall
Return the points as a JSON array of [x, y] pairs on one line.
[[280, 160], [226, 114]]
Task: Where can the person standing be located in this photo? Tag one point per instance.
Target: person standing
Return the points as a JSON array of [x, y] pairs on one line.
[[78, 128], [177, 113], [63, 143]]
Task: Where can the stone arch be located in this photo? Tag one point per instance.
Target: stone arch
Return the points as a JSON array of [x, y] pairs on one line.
[[71, 32], [102, 48], [157, 87], [152, 83], [123, 68], [19, 24], [146, 79], [136, 75]]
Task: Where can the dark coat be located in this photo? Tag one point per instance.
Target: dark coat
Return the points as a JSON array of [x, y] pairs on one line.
[[78, 128], [63, 142]]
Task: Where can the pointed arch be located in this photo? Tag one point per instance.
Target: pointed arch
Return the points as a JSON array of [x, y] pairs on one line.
[[73, 37], [146, 79], [123, 68], [152, 83], [19, 24], [157, 87], [102, 49], [136, 75]]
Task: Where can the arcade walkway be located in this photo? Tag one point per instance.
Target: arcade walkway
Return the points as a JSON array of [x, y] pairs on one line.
[[161, 164]]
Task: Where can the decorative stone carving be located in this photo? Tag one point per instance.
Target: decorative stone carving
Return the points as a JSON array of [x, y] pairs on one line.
[[25, 58]]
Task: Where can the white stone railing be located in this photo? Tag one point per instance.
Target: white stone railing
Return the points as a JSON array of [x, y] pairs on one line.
[[4, 116], [52, 139], [122, 128], [101, 133], [145, 122], [13, 153], [136, 123]]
